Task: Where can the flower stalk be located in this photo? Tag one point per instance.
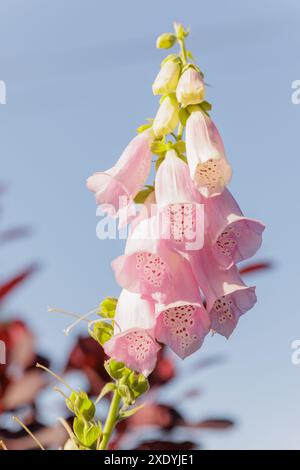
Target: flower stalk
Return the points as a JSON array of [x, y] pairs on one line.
[[111, 420]]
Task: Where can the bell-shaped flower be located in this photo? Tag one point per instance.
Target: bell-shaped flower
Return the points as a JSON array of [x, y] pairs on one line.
[[226, 295], [182, 326], [133, 341], [234, 237], [181, 215], [206, 157], [116, 188], [182, 322], [167, 79], [167, 116], [190, 89], [148, 267]]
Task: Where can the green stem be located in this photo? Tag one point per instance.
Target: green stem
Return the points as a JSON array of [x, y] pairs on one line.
[[111, 420], [183, 52], [183, 55], [180, 131]]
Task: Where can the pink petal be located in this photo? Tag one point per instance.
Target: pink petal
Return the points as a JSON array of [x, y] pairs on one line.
[[132, 311], [125, 178], [181, 214], [182, 326], [136, 348], [234, 237], [206, 157], [227, 297]]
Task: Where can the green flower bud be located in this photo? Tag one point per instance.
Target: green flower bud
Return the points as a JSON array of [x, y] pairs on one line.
[[116, 369], [165, 41], [138, 384], [87, 432], [167, 78], [167, 116], [80, 404], [108, 307], [102, 332], [126, 394]]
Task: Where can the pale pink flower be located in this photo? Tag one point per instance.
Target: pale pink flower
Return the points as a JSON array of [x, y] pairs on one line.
[[149, 267], [116, 188], [206, 157], [226, 295], [181, 216], [133, 342], [182, 326], [190, 89], [234, 237]]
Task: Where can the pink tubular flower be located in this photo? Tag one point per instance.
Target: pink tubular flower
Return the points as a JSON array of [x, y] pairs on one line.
[[208, 165], [143, 268], [182, 326], [116, 188], [149, 267], [133, 342], [181, 216], [233, 236], [227, 297]]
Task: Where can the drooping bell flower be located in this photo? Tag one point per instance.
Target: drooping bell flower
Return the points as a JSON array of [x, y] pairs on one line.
[[182, 326], [226, 295], [148, 267], [167, 116], [133, 341], [234, 237], [181, 215], [116, 188], [191, 88], [167, 79], [182, 322], [206, 157]]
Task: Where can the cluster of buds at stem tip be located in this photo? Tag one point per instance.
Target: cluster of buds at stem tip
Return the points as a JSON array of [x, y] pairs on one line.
[[180, 81]]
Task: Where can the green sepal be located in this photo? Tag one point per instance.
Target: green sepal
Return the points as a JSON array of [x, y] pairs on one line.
[[159, 147], [165, 41], [138, 384], [107, 308], [206, 107], [190, 55], [179, 146], [183, 116], [108, 388], [143, 194], [127, 413], [173, 57], [116, 369], [195, 67], [145, 126], [80, 404], [126, 394], [87, 432], [102, 332]]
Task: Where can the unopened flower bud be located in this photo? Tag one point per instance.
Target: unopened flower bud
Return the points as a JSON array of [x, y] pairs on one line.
[[165, 41], [190, 89], [167, 78], [167, 116]]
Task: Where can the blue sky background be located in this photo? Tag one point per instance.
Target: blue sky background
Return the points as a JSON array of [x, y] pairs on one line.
[[78, 76]]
